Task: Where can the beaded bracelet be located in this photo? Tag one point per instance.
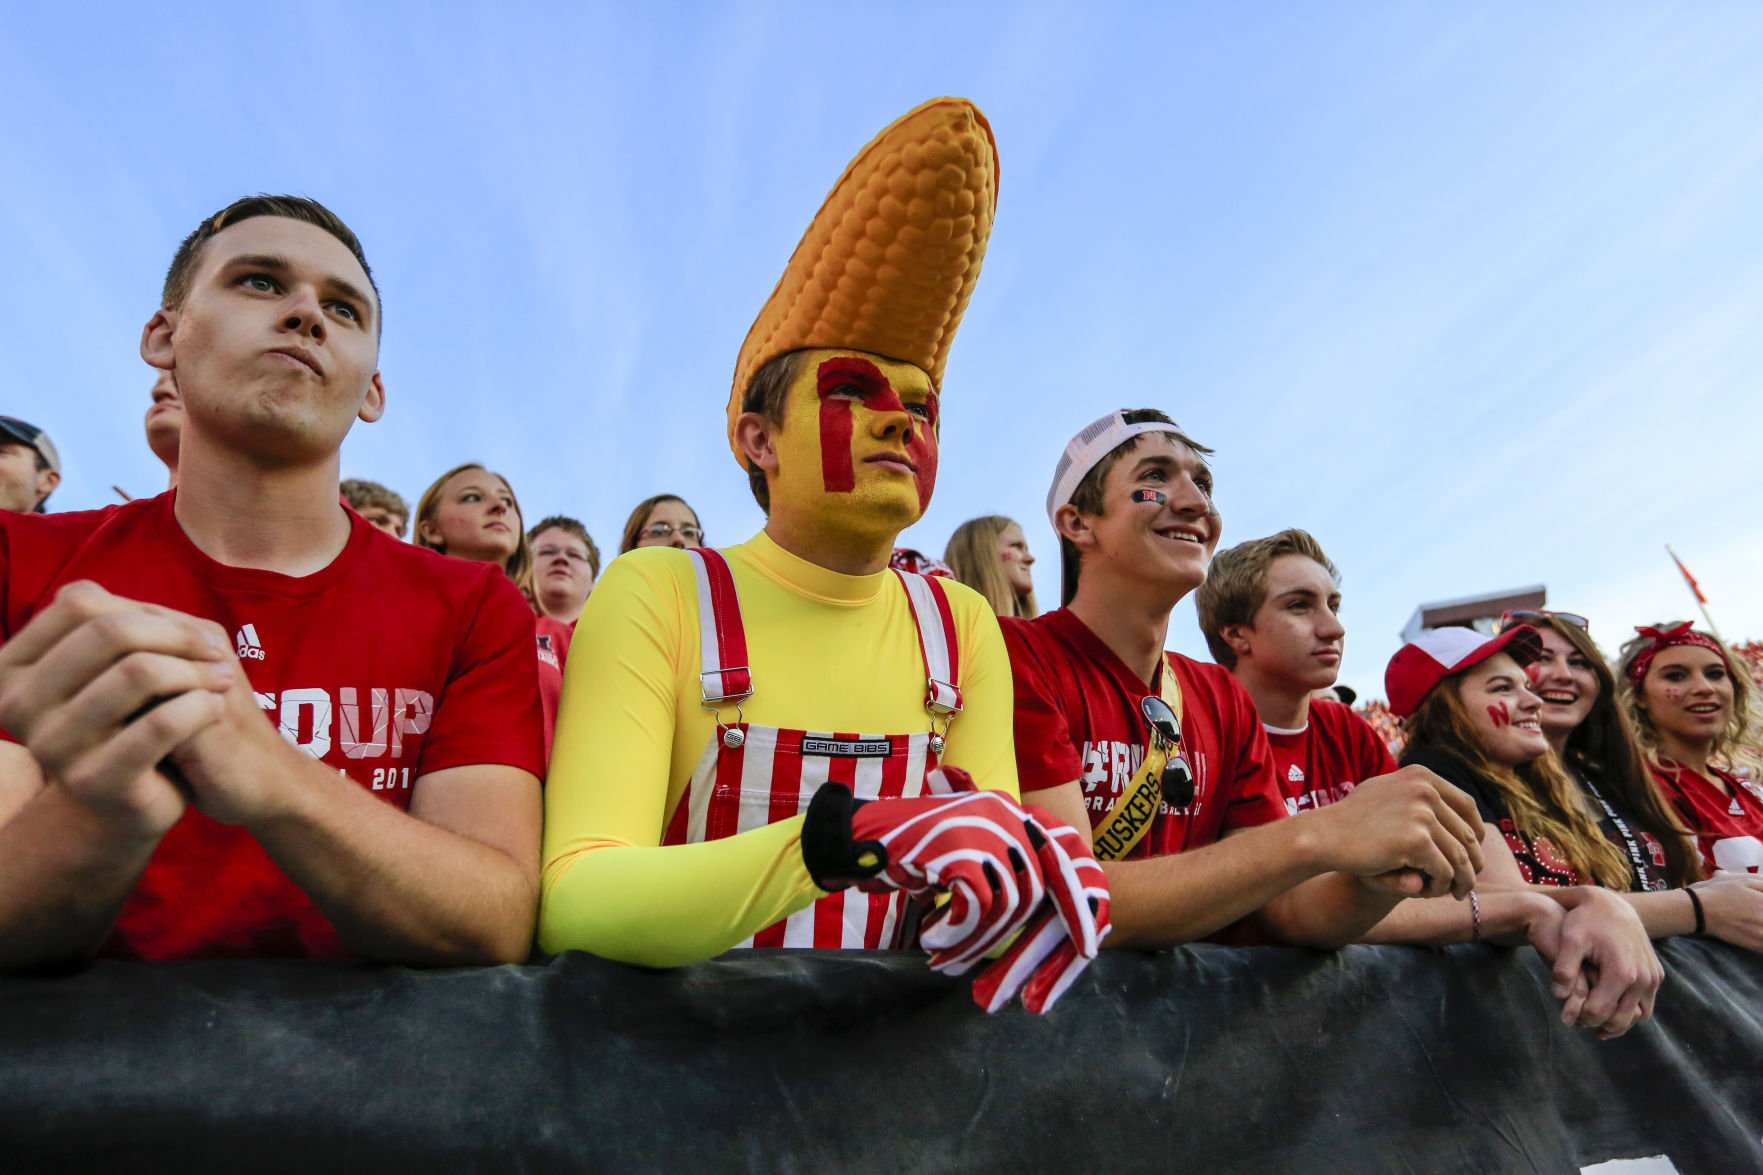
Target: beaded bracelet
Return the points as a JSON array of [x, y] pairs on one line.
[[1475, 917]]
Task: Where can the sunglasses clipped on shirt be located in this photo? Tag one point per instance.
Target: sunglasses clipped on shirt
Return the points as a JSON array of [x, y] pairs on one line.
[[665, 531], [1178, 778], [1513, 617]]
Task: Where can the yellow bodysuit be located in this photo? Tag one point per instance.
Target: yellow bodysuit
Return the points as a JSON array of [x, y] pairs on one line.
[[827, 652]]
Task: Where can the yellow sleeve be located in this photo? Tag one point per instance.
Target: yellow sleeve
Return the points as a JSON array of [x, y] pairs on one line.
[[608, 885], [983, 738]]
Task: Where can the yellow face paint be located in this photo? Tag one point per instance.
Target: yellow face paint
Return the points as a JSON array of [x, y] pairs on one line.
[[859, 441]]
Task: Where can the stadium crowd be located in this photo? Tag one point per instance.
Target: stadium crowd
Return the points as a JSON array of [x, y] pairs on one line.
[[332, 738]]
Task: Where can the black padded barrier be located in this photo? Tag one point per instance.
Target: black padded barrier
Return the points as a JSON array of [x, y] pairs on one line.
[[1200, 1059]]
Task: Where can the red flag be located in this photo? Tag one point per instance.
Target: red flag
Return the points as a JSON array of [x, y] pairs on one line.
[[1687, 577]]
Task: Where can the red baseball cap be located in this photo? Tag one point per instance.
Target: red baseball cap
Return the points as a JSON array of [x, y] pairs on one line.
[[1441, 652]]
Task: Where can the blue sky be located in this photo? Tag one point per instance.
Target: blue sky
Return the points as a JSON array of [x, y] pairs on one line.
[[1472, 292]]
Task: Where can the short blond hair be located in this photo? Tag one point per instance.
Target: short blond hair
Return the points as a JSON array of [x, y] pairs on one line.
[[362, 494], [1236, 584]]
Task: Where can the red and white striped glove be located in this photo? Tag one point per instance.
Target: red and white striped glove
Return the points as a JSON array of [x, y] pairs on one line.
[[1063, 936], [973, 845], [1062, 939]]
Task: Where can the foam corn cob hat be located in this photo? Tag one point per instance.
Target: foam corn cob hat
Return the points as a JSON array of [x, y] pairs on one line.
[[888, 263]]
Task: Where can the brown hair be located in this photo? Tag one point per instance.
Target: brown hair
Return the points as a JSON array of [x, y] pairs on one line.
[[765, 396], [1539, 795], [1236, 585], [972, 554], [183, 262], [371, 495], [1740, 729], [633, 526], [568, 526], [519, 565], [1087, 496], [1603, 748]]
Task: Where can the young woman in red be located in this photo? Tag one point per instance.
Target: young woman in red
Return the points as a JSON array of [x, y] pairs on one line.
[[1691, 705]]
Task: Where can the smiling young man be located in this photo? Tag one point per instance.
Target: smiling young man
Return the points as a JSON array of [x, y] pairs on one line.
[[243, 721], [1187, 817], [776, 743]]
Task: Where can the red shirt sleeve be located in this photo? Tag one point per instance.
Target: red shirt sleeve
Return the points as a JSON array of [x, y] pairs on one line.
[[490, 710], [1045, 754], [1256, 798]]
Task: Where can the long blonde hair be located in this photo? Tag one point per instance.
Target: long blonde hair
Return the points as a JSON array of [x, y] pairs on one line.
[[1543, 801], [519, 565], [972, 554], [1604, 749], [1740, 730]]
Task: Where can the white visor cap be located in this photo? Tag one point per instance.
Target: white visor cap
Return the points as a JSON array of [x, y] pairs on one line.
[[1088, 447]]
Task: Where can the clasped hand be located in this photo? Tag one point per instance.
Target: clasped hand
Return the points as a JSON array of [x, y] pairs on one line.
[[135, 710]]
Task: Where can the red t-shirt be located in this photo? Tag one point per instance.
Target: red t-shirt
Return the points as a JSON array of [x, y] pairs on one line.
[[1078, 717], [553, 636], [1334, 753], [390, 663], [1728, 828]]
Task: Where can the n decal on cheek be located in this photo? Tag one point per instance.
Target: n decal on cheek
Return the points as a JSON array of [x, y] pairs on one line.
[[1501, 714], [1156, 496]]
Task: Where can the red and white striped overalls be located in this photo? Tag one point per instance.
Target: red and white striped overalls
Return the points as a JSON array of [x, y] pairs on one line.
[[750, 776]]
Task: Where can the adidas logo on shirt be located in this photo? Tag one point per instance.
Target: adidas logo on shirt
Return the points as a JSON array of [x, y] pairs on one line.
[[1736, 809], [250, 648], [1295, 774]]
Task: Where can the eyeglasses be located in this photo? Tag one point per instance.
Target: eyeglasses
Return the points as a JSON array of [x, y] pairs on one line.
[[1178, 777], [553, 552], [665, 530], [1513, 617]]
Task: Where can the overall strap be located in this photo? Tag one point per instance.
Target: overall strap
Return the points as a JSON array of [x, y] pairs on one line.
[[936, 643], [722, 642]]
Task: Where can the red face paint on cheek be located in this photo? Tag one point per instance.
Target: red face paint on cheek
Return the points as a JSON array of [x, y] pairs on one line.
[[834, 376], [1501, 714], [1533, 671], [923, 451], [835, 447], [837, 381]]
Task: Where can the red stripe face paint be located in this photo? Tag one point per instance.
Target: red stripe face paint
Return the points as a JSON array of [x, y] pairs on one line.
[[1501, 715], [837, 378], [922, 448], [843, 383]]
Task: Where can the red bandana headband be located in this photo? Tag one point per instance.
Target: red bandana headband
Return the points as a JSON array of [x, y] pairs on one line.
[[1669, 638]]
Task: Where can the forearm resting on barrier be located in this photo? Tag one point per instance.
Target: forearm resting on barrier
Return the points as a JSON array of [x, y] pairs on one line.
[[1731, 908], [67, 870], [671, 905], [1509, 917]]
